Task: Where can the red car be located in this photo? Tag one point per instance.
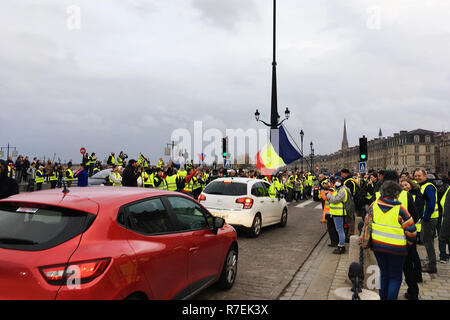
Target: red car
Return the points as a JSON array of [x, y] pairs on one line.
[[112, 243]]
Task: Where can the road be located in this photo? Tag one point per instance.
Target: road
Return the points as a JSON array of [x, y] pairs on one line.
[[268, 263]]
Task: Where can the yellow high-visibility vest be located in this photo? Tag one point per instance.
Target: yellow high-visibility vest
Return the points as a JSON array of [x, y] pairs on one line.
[[70, 178], [146, 182], [435, 213], [171, 182], [337, 209], [39, 179], [386, 228], [117, 175]]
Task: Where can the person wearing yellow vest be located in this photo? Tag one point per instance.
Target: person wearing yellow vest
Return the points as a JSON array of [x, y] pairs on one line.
[[182, 173], [39, 178], [111, 159], [412, 265], [392, 230], [160, 163], [189, 182], [429, 219], [171, 180], [53, 177], [444, 235], [114, 177], [145, 177], [68, 176], [290, 188], [159, 181], [337, 211], [327, 188], [197, 187]]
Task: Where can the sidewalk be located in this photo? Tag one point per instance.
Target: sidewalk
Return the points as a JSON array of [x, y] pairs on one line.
[[324, 272]]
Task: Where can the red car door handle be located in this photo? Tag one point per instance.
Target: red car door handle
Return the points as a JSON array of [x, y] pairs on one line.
[[193, 249]]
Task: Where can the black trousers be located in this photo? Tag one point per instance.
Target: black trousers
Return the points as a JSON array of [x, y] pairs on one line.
[[412, 270], [332, 233]]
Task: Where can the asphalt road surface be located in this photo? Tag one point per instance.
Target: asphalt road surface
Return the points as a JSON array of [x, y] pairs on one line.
[[268, 263]]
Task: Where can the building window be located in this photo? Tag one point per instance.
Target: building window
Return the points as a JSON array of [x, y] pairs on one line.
[[428, 159], [428, 148], [416, 149], [417, 159], [416, 139], [427, 139]]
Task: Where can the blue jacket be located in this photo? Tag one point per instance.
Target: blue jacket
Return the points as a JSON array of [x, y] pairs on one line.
[[429, 196], [82, 178]]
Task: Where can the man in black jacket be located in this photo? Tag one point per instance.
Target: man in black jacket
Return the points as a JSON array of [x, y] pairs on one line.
[[131, 174], [8, 186]]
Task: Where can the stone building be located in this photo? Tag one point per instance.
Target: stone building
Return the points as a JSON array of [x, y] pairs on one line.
[[404, 151]]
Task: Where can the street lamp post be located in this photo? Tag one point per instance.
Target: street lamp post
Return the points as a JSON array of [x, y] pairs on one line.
[[274, 117], [301, 138], [312, 155]]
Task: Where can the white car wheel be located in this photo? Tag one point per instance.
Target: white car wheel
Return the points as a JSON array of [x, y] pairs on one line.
[[255, 229]]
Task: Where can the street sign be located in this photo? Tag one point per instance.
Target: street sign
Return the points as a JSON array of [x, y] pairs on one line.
[[363, 167], [227, 164], [82, 150]]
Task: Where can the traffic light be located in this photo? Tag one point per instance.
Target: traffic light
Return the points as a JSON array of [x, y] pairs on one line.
[[363, 149], [224, 147]]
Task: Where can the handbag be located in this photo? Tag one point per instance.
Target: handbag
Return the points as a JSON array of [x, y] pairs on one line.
[[366, 232]]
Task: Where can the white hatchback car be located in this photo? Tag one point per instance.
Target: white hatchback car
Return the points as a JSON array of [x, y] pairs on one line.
[[244, 202]]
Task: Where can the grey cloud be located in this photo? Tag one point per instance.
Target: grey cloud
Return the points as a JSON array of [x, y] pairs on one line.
[[227, 14]]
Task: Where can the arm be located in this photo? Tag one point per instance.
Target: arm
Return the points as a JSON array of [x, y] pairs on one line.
[[407, 223], [337, 198], [189, 177]]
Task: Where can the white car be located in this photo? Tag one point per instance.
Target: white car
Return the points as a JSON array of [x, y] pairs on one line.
[[244, 202]]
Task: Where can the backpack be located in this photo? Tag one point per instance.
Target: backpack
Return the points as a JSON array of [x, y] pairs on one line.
[[349, 205], [359, 198]]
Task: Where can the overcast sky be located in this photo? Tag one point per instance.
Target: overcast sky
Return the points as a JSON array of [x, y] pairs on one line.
[[136, 70]]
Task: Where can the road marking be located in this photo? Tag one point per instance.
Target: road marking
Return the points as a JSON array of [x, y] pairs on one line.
[[302, 205], [319, 206]]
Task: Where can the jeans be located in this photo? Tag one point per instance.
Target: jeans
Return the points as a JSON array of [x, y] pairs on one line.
[[391, 267], [339, 224], [428, 233]]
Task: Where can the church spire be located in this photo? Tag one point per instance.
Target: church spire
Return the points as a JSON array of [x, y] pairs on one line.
[[380, 134], [344, 138]]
